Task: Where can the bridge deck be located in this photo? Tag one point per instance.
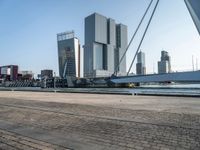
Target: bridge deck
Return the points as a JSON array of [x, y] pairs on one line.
[[193, 76]]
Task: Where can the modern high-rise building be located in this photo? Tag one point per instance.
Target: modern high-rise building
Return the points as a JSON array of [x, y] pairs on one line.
[[164, 65], [69, 54], [140, 65], [194, 9], [105, 43]]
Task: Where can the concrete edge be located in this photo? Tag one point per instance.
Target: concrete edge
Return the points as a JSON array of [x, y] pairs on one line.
[[60, 91], [168, 95]]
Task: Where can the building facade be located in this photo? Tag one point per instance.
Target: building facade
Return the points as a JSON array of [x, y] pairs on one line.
[[140, 65], [46, 73], [194, 9], [105, 43], [25, 75], [69, 55], [9, 72], [164, 65]]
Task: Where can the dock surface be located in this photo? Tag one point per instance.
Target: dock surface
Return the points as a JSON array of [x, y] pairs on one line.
[[37, 120]]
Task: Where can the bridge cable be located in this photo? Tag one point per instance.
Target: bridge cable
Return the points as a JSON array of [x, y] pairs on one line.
[[117, 68], [143, 36]]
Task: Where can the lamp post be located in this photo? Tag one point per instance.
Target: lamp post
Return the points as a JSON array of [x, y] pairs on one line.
[[54, 80]]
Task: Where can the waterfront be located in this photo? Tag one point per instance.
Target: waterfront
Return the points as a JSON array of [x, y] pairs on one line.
[[159, 89], [173, 85], [169, 89]]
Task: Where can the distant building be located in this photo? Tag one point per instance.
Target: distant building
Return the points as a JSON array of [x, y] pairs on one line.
[[9, 72], [105, 43], [25, 75], [46, 73], [140, 65], [69, 54], [164, 65], [194, 9]]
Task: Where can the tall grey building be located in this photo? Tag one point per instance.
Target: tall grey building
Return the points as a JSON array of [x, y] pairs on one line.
[[164, 65], [194, 9], [105, 43], [140, 65], [68, 55]]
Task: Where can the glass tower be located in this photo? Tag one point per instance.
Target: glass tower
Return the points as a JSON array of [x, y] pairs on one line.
[[68, 55]]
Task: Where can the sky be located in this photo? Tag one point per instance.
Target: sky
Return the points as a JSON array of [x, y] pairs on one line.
[[28, 30]]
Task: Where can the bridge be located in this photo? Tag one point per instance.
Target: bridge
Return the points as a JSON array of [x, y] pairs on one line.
[[192, 76]]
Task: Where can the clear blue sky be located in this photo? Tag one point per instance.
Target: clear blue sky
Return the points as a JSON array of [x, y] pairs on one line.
[[28, 30]]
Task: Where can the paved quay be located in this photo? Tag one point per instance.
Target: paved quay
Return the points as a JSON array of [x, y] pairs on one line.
[[37, 120]]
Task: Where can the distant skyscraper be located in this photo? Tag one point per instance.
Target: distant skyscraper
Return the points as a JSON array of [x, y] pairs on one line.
[[164, 66], [194, 8], [105, 43], [68, 55], [140, 66]]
